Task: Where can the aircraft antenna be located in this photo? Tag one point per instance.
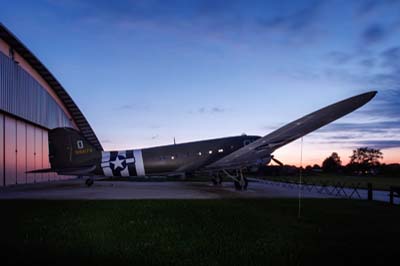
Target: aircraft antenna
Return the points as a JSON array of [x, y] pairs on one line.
[[174, 141], [300, 176]]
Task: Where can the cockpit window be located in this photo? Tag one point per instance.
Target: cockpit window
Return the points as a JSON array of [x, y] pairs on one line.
[[246, 142]]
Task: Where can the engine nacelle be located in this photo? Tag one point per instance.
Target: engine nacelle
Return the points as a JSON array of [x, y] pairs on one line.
[[264, 161], [260, 162]]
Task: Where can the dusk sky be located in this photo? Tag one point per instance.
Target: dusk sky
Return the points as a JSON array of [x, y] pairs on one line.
[[144, 72]]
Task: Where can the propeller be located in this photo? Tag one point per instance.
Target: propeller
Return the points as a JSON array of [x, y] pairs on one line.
[[276, 160]]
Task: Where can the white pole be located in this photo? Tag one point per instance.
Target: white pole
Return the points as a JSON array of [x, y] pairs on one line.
[[300, 176]]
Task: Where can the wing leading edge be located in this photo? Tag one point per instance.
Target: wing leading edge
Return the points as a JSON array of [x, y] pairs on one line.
[[263, 147]]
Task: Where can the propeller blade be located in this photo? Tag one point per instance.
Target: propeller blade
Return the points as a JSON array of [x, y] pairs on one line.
[[277, 161]]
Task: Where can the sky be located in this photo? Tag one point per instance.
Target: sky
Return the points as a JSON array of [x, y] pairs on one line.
[[146, 72]]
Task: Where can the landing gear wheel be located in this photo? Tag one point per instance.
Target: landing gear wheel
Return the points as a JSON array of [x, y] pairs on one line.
[[237, 185], [89, 182], [217, 180], [241, 184]]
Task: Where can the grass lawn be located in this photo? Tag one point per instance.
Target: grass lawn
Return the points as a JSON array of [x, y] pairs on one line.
[[198, 232], [378, 182]]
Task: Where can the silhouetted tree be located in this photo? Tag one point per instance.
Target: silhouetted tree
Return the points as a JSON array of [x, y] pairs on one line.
[[316, 166], [332, 164], [392, 170], [365, 159], [307, 170]]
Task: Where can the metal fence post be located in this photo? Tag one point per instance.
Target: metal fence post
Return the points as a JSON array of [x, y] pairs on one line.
[[391, 196], [370, 196]]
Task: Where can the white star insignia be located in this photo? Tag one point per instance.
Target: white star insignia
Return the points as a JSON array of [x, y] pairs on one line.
[[117, 163]]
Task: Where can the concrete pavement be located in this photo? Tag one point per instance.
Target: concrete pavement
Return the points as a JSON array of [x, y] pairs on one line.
[[76, 189]]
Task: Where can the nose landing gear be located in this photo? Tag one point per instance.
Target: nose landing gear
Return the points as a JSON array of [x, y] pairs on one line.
[[241, 184], [239, 179]]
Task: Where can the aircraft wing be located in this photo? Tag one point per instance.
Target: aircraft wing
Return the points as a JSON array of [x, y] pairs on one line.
[[261, 149]]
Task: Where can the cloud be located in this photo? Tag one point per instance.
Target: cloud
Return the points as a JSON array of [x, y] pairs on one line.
[[367, 7], [380, 70], [384, 77], [391, 58], [212, 110], [106, 141], [379, 144], [198, 15], [374, 33], [338, 57], [353, 144], [368, 62], [386, 106], [381, 18], [381, 128], [298, 20], [133, 106], [214, 19], [342, 137], [126, 107], [217, 110], [300, 25], [375, 127]]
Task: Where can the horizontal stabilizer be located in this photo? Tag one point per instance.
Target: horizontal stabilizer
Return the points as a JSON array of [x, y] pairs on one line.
[[66, 171], [46, 170]]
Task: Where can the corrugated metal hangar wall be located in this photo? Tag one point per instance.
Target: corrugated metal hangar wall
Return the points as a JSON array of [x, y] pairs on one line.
[[27, 110], [29, 107]]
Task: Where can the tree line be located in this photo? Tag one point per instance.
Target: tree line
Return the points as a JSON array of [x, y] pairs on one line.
[[363, 161]]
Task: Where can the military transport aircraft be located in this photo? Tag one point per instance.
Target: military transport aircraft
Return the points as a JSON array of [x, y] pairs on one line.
[[71, 154]]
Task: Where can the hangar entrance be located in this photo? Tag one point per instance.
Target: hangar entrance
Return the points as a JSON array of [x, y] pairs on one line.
[[23, 147]]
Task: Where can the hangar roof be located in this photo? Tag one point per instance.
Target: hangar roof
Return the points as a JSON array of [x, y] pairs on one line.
[[72, 108]]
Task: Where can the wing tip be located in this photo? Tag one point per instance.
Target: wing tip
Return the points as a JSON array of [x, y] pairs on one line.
[[364, 97], [372, 93]]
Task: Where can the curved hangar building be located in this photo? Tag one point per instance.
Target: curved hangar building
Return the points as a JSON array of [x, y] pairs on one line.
[[32, 101]]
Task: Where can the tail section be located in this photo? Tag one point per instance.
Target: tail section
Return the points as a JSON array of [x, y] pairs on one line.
[[69, 151]]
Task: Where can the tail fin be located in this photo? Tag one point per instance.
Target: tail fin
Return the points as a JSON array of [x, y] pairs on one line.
[[68, 149]]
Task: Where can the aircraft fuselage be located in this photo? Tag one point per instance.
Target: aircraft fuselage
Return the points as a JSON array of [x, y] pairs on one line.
[[71, 154], [169, 159]]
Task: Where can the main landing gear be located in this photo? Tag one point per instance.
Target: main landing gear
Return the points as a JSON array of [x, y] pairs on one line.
[[238, 178], [217, 179]]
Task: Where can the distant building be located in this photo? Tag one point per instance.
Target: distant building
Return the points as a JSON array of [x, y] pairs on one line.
[[32, 101]]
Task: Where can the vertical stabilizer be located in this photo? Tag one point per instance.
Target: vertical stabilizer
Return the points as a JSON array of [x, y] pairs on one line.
[[69, 149]]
